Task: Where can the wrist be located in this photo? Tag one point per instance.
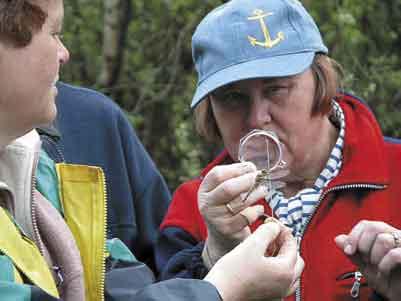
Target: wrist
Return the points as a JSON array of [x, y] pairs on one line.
[[207, 259], [219, 280], [212, 252]]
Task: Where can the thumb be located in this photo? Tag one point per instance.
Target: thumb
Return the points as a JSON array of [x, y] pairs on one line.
[[341, 240], [260, 240], [252, 213]]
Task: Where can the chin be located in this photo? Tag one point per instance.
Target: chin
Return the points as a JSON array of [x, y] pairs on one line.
[[50, 113]]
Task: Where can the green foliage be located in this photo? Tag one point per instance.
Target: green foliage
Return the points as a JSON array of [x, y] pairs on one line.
[[157, 80]]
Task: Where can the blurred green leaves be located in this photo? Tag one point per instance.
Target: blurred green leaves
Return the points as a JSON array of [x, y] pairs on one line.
[[157, 79]]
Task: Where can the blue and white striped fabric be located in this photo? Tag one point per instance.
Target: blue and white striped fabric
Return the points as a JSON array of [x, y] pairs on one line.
[[295, 211]]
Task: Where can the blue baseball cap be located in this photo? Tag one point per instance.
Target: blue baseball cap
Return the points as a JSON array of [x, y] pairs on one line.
[[244, 39]]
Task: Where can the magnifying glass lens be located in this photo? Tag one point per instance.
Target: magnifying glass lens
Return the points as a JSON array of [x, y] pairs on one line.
[[261, 148]]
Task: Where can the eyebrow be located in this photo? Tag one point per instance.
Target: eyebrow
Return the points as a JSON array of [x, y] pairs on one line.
[[274, 80]]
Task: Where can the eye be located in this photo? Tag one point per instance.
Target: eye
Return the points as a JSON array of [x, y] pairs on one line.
[[231, 99], [276, 92]]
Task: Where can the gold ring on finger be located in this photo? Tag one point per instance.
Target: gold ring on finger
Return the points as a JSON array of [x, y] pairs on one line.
[[230, 209], [397, 239]]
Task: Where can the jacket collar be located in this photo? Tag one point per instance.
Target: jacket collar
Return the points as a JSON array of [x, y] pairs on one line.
[[364, 154], [17, 169], [49, 130]]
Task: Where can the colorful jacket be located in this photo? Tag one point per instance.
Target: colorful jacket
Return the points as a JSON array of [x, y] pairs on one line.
[[368, 187], [34, 254], [91, 129]]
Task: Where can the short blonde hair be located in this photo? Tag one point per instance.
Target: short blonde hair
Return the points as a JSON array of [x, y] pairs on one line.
[[327, 73]]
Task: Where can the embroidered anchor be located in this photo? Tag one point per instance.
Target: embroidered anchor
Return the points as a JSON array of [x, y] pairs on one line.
[[268, 42]]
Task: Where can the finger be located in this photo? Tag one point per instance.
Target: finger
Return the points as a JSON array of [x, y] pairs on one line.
[[287, 245], [360, 238], [293, 288], [390, 261], [263, 236], [249, 215], [263, 191], [232, 188], [299, 267], [366, 242], [341, 240], [221, 173], [383, 244], [351, 244]]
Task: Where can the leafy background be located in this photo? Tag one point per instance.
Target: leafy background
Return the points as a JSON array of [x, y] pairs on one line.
[[152, 77]]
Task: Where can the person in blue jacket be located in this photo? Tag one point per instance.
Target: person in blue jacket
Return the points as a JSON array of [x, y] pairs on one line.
[[91, 129]]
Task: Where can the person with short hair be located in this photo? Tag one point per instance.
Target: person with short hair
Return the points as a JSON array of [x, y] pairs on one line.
[[54, 242], [263, 68]]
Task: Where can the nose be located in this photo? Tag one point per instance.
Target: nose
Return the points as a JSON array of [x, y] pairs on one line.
[[259, 112], [63, 54]]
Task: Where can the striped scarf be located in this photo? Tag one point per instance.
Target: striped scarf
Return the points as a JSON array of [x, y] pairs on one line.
[[295, 211]]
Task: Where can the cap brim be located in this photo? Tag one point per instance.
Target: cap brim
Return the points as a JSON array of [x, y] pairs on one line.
[[277, 66]]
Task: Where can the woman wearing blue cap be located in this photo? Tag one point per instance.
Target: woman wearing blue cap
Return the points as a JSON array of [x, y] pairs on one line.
[[52, 252], [262, 66]]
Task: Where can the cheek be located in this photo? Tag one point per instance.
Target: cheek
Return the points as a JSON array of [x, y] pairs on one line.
[[232, 130], [295, 141]]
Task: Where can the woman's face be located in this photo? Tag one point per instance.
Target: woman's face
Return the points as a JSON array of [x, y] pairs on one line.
[[281, 105], [28, 75]]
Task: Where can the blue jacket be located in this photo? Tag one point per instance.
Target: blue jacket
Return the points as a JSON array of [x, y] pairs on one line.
[[94, 131], [91, 129]]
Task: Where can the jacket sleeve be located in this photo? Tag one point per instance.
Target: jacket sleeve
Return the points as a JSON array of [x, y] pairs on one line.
[[151, 195], [179, 290], [12, 291], [128, 279], [183, 231]]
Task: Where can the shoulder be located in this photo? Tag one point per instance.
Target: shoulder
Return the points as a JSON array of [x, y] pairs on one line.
[[184, 202], [83, 100], [188, 188]]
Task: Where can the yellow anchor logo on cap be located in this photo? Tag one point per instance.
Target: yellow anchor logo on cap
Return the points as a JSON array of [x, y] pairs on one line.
[[259, 15]]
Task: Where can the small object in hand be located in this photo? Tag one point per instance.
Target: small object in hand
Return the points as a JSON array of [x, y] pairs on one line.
[[273, 249], [261, 178]]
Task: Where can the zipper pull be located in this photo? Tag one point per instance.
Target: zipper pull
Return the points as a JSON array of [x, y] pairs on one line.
[[356, 285], [59, 275]]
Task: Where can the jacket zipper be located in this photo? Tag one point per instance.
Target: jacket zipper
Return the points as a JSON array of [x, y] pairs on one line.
[[60, 158], [356, 285], [36, 235], [298, 296], [103, 263], [357, 275]]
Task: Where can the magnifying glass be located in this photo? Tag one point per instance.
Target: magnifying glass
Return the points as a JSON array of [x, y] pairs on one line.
[[262, 148]]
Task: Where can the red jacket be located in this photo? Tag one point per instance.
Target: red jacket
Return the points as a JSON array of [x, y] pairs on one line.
[[368, 187]]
